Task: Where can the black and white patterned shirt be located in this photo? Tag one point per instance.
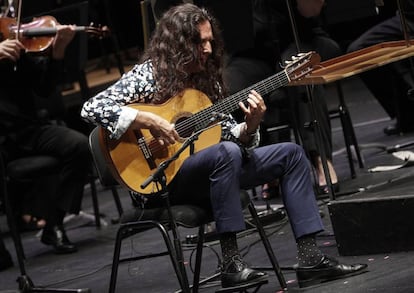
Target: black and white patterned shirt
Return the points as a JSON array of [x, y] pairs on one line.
[[110, 110]]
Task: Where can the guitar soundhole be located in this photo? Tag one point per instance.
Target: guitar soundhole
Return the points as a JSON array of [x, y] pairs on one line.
[[184, 127]]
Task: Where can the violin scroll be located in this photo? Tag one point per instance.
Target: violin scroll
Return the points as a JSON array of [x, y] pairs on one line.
[[100, 31]]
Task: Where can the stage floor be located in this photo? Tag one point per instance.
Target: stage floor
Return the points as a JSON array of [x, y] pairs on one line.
[[90, 266]]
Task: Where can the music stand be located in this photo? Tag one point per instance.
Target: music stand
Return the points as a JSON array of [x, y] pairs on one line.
[[356, 62]]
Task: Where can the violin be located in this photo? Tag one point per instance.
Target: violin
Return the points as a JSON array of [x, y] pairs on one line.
[[37, 36]]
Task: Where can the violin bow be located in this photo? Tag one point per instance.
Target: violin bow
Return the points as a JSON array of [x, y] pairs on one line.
[[18, 19]]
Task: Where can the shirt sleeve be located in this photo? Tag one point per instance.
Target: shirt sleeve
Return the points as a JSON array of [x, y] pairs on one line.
[[254, 142], [109, 108]]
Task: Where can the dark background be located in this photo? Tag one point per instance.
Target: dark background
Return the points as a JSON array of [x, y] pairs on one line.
[[344, 20]]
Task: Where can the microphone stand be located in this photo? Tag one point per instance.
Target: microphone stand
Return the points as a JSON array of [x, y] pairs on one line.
[[159, 178]]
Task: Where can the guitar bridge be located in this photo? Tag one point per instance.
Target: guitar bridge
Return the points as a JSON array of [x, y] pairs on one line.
[[145, 149]]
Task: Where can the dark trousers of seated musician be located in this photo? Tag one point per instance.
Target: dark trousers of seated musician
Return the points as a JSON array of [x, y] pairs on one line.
[[391, 84], [215, 175], [64, 194]]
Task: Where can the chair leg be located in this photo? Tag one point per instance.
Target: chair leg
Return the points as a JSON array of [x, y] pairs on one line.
[[95, 203], [24, 281], [199, 255], [118, 203], [115, 259], [268, 247], [125, 231], [14, 232], [348, 130]]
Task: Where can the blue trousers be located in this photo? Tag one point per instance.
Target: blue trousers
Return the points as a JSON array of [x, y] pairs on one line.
[[215, 175]]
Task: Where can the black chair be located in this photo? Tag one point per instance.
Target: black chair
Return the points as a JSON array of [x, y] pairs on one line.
[[29, 168], [166, 219]]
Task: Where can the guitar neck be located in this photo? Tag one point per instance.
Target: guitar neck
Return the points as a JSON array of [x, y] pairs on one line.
[[231, 103]]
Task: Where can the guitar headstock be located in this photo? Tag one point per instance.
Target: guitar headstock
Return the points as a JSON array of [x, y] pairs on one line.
[[301, 65]]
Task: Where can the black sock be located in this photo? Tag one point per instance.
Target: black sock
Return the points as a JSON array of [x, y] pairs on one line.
[[229, 248], [60, 216], [309, 253], [54, 219]]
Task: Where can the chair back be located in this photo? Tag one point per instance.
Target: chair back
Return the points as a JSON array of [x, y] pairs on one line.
[[105, 176]]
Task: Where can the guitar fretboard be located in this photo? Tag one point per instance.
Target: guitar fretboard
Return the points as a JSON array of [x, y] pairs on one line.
[[231, 103]]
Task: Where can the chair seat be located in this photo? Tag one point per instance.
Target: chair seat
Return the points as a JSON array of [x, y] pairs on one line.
[[188, 216], [32, 167]]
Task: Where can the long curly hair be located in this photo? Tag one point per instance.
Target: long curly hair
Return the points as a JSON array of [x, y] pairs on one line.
[[175, 44]]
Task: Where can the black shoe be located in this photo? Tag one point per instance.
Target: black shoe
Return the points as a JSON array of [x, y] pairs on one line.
[[324, 189], [58, 239], [327, 270], [237, 273], [398, 130], [5, 260], [392, 129]]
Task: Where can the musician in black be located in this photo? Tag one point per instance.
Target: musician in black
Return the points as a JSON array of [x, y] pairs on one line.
[[186, 51], [27, 78], [392, 85]]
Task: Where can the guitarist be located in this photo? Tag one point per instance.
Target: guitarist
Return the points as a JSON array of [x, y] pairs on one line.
[[186, 51]]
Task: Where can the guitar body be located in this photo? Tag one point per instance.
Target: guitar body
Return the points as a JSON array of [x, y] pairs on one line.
[[128, 159]]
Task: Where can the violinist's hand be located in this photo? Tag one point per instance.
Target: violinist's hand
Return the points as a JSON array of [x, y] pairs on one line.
[[161, 129], [64, 35], [254, 112], [10, 49]]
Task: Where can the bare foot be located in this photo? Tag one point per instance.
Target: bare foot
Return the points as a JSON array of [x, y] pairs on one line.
[[321, 174], [33, 223], [270, 190]]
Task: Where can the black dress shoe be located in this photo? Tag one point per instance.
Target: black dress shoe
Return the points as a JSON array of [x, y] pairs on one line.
[[324, 189], [392, 129], [328, 269], [58, 239], [400, 130], [237, 273]]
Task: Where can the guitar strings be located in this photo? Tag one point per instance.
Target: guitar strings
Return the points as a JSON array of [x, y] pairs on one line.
[[226, 105]]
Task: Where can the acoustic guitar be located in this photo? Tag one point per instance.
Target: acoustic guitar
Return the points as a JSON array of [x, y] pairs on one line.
[[136, 154]]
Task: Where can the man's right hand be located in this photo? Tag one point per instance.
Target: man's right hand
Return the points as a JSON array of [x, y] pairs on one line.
[[10, 49], [161, 129]]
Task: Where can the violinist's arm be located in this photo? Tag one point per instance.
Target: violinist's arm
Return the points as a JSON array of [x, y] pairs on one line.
[[50, 73], [10, 49], [64, 36]]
